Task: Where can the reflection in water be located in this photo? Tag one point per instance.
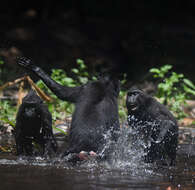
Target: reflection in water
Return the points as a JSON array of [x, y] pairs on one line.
[[125, 170], [41, 174]]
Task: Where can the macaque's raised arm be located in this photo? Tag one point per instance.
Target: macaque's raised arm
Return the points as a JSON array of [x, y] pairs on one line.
[[62, 92]]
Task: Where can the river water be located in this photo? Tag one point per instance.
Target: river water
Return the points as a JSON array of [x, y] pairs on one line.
[[55, 174], [126, 170]]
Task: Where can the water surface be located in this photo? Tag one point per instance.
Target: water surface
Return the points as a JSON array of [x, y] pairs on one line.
[[53, 174]]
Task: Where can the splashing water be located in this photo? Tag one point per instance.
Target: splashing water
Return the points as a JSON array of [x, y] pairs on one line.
[[125, 155], [128, 155]]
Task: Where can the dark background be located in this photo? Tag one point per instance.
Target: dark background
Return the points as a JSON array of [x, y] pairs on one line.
[[130, 36]]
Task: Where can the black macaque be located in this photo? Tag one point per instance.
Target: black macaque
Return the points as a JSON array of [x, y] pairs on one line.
[[95, 115], [34, 125], [155, 123]]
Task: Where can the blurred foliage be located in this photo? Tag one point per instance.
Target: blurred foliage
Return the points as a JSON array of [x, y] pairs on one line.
[[122, 101], [6, 109], [7, 112], [173, 89]]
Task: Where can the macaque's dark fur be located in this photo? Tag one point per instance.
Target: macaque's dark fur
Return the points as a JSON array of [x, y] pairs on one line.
[[34, 125], [155, 123], [96, 110]]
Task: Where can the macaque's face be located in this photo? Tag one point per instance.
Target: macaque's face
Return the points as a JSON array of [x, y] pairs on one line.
[[30, 110], [135, 100]]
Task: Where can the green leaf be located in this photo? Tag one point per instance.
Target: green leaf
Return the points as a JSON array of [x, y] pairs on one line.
[[165, 68], [122, 114], [68, 80], [6, 120], [74, 70], [86, 74], [189, 83], [81, 64], [40, 84], [94, 78], [174, 78], [60, 130], [83, 80], [154, 70], [164, 86], [189, 90], [124, 80], [50, 107]]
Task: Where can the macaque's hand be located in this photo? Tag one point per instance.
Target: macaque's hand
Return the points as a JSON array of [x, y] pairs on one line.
[[26, 63]]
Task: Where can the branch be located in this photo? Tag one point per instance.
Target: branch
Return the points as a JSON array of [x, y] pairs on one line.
[[20, 94], [39, 91], [7, 84]]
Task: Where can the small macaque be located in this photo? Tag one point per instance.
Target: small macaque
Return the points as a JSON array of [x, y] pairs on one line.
[[34, 127]]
